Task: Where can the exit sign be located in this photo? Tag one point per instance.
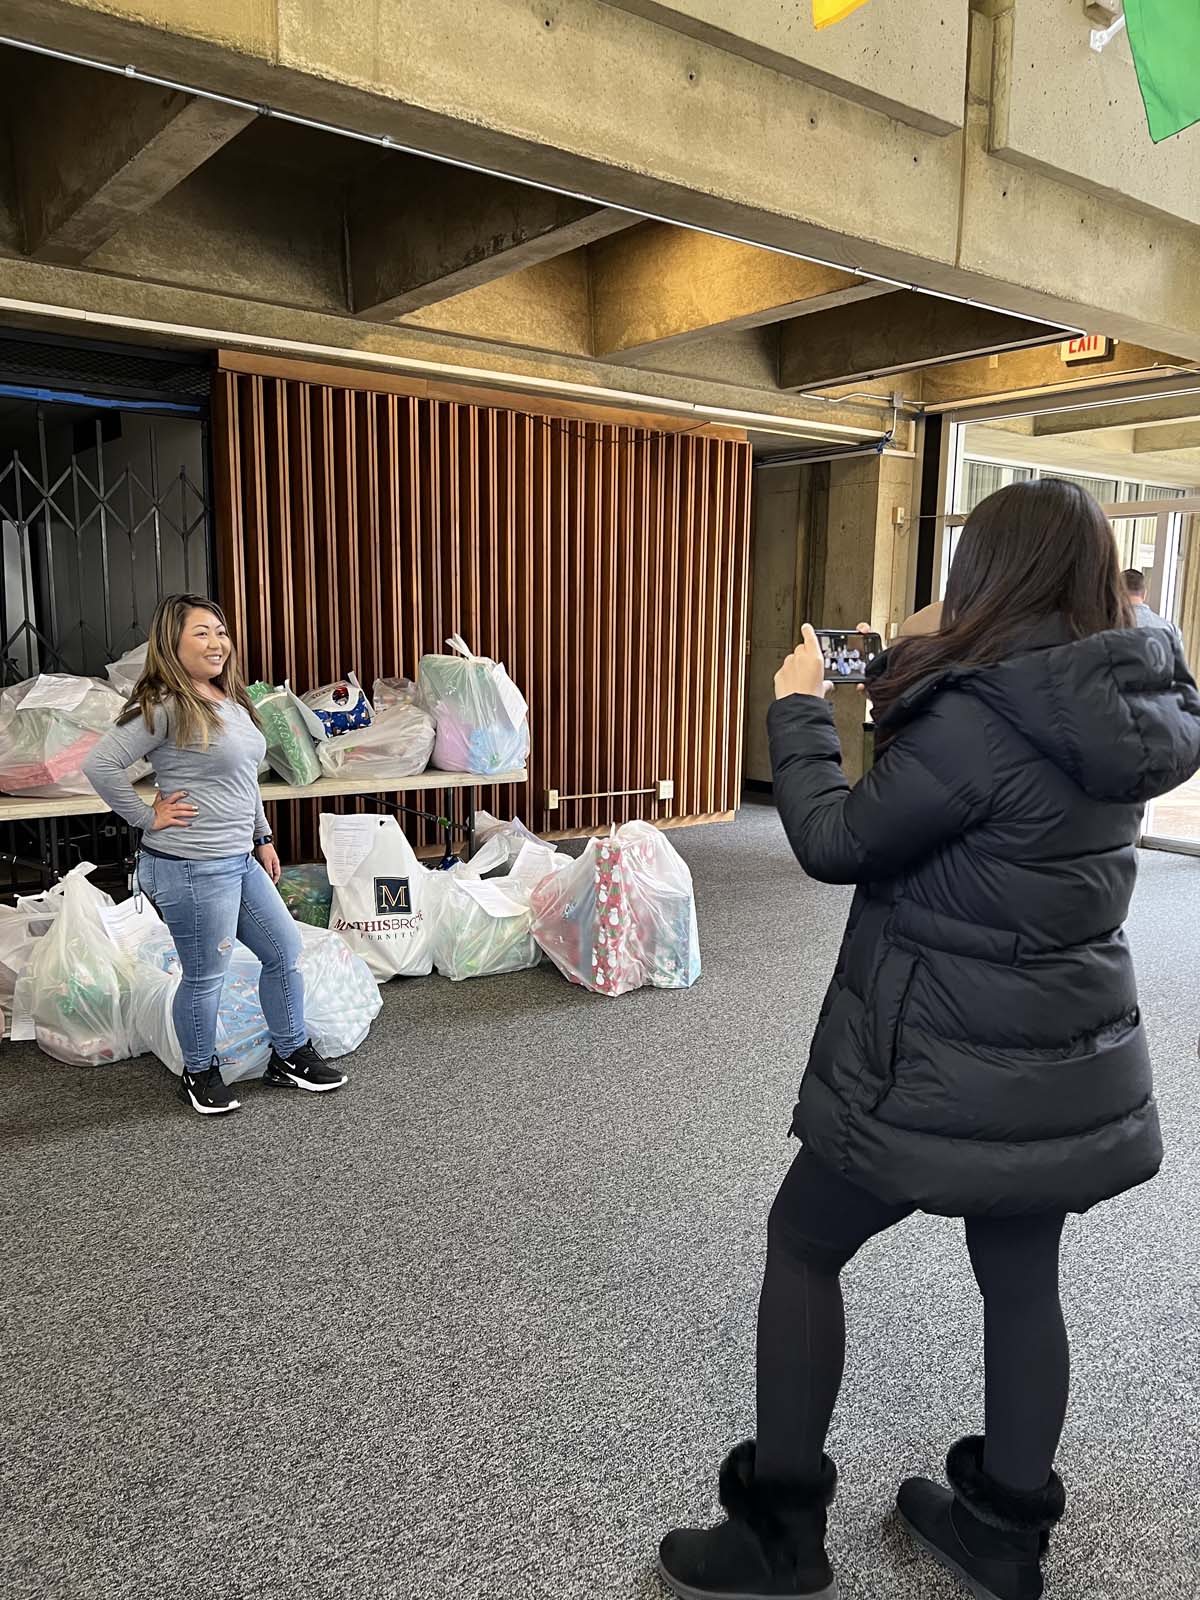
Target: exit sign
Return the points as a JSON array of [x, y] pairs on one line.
[[1088, 347]]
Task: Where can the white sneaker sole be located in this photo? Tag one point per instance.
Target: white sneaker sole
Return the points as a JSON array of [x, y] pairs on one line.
[[212, 1111], [686, 1592], [302, 1083]]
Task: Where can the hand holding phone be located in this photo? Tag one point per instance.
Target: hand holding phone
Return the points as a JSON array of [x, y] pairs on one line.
[[847, 653]]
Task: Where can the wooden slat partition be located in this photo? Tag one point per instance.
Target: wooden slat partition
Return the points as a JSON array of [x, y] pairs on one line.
[[603, 562]]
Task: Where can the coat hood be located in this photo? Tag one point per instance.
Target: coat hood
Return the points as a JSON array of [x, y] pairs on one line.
[[1118, 712]]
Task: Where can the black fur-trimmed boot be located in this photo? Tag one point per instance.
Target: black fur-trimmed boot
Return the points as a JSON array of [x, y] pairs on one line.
[[772, 1547], [991, 1537]]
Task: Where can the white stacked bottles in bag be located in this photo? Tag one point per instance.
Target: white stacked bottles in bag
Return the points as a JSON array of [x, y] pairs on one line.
[[379, 893], [481, 716]]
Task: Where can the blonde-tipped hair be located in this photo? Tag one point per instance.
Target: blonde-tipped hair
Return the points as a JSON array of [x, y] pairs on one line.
[[165, 684]]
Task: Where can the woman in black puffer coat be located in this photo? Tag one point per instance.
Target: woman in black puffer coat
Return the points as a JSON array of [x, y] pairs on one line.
[[980, 1053]]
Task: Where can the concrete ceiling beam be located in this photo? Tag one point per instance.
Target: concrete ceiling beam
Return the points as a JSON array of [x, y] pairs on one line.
[[1143, 415], [423, 233], [656, 286], [91, 152], [897, 334], [1151, 441]]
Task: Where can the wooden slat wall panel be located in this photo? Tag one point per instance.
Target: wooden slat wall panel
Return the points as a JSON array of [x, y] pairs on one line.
[[605, 564]]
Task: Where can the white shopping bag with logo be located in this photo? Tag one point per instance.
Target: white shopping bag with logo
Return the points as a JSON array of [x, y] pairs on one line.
[[379, 894]]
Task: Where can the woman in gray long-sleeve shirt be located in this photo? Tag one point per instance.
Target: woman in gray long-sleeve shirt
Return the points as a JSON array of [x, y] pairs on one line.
[[211, 868]]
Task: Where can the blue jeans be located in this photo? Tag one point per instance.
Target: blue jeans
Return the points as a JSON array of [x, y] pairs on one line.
[[207, 905]]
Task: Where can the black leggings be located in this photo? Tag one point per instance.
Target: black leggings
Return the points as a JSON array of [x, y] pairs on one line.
[[817, 1223]]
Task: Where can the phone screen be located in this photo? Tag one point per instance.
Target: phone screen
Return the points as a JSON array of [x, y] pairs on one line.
[[848, 654]]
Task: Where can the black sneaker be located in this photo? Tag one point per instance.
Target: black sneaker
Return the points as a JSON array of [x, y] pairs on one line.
[[305, 1070], [207, 1092]]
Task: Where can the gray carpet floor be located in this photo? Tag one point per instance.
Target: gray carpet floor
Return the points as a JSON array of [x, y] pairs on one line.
[[482, 1324]]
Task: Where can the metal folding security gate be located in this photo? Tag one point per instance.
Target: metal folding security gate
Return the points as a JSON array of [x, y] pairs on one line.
[[104, 507]]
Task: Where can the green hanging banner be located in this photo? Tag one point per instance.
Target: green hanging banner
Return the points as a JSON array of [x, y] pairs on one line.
[[1164, 36]]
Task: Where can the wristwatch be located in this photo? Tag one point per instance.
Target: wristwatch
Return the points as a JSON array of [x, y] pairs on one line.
[[267, 838]]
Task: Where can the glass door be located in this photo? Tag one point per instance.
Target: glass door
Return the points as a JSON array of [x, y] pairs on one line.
[[1173, 590]]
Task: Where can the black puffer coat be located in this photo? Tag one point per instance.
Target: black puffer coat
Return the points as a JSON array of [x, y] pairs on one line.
[[980, 1049]]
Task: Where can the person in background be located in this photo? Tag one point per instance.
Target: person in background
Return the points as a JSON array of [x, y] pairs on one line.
[[207, 862], [980, 1052], [1143, 616]]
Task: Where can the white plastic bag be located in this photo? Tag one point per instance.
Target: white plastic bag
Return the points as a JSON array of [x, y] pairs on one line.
[[515, 834], [19, 934], [397, 745], [49, 725], [124, 673], [622, 916], [482, 718], [389, 692], [379, 889], [243, 1044], [341, 1000], [74, 995], [341, 997], [484, 928]]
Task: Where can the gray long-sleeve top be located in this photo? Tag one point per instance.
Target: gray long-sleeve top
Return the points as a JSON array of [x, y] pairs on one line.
[[221, 781]]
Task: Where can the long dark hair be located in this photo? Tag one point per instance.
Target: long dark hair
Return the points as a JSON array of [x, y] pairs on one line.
[[1029, 552]]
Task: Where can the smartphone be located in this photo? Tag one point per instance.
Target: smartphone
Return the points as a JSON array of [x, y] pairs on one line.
[[848, 654]]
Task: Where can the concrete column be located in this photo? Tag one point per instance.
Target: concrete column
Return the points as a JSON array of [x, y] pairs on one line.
[[780, 556], [865, 572]]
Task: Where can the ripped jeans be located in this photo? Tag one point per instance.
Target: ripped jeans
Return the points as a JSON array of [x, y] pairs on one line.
[[207, 905]]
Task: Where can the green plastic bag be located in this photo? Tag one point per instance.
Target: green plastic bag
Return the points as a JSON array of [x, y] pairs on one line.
[[306, 893], [290, 749]]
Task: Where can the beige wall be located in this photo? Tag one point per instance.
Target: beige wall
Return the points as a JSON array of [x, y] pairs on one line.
[[906, 57]]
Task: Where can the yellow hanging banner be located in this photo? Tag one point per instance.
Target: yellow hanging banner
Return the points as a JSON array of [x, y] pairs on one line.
[[827, 12]]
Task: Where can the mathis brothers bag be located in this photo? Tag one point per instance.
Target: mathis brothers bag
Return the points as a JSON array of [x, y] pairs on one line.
[[379, 894], [49, 725], [622, 916], [482, 718], [482, 927]]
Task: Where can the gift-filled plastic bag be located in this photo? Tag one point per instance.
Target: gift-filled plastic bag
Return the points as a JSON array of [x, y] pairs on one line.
[[622, 916], [482, 718], [396, 745], [19, 934], [290, 749], [379, 890], [341, 997], [48, 727], [341, 1000], [515, 834], [482, 927], [243, 1044], [74, 996], [124, 673], [335, 708], [306, 892]]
